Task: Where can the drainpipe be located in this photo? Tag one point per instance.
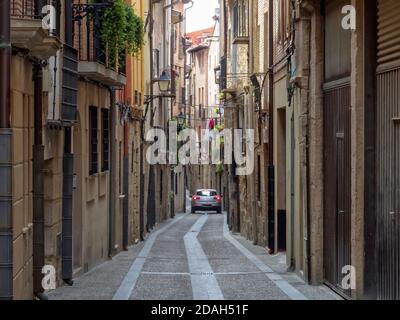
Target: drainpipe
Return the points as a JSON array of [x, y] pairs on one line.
[[294, 44], [68, 177], [307, 159], [125, 216], [142, 127], [151, 187], [271, 168], [6, 223], [66, 236], [185, 99], [173, 90], [141, 199], [113, 174], [253, 121], [304, 85], [224, 81], [38, 183]]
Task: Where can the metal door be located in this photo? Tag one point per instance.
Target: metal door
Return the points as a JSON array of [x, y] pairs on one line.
[[337, 149], [337, 185], [388, 150]]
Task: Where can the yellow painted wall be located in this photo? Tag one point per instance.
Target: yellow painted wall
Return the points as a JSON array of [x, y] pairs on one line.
[[22, 125]]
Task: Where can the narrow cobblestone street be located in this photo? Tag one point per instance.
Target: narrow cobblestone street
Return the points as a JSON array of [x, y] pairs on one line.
[[192, 256]]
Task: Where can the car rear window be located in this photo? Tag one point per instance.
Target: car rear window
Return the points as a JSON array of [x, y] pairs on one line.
[[206, 193]]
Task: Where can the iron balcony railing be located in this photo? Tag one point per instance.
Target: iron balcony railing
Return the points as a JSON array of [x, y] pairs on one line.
[[33, 9], [91, 48], [87, 39], [23, 9]]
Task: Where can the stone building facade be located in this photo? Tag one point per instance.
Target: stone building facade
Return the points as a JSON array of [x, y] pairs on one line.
[[63, 109], [327, 124]]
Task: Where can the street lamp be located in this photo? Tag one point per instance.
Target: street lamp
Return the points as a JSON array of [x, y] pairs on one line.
[[164, 82]]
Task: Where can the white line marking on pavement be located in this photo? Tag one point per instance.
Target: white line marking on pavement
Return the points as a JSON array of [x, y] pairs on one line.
[[129, 282], [202, 273], [282, 284], [204, 284], [167, 273]]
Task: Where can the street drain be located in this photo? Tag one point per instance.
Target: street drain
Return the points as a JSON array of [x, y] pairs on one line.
[[203, 274]]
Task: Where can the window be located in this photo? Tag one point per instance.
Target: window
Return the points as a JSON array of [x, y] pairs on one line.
[[176, 183], [174, 33], [105, 120], [284, 26], [240, 22], [121, 167], [259, 178], [199, 97], [206, 193], [133, 151], [183, 94], [161, 186], [68, 23], [156, 63], [93, 155]]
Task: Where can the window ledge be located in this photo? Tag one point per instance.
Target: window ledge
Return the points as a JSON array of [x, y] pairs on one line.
[[98, 72], [241, 40]]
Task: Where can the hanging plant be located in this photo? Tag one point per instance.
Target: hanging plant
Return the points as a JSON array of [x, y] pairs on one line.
[[221, 96], [219, 167], [121, 31], [219, 127]]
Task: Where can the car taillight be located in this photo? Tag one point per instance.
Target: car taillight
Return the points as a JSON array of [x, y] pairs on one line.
[[218, 198], [195, 198]]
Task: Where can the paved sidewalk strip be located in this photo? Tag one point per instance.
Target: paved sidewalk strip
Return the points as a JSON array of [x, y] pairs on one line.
[[129, 282], [204, 283], [282, 284]]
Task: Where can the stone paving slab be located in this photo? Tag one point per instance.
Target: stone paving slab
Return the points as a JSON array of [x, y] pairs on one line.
[[249, 287], [103, 281], [163, 287], [222, 255], [168, 252], [278, 264], [165, 273]]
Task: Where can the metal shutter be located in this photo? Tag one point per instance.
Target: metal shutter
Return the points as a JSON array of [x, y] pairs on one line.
[[388, 33]]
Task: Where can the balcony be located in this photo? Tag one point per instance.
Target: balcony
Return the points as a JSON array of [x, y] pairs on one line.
[[93, 59], [240, 22], [27, 32]]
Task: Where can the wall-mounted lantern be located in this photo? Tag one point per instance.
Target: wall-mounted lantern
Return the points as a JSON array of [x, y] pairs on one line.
[[164, 82]]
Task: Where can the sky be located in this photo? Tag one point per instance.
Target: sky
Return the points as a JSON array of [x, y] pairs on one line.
[[200, 16]]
